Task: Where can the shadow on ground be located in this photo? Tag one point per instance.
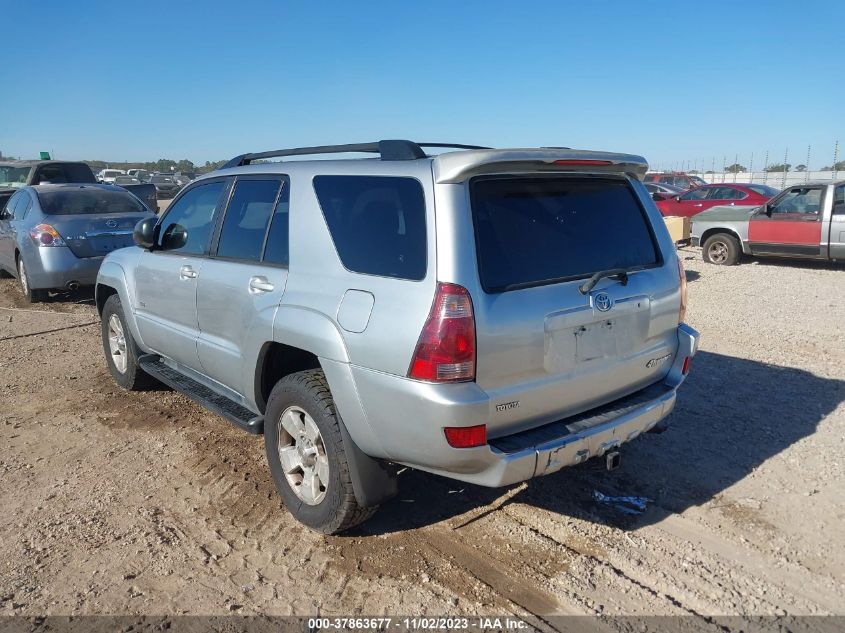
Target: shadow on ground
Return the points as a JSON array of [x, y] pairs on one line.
[[732, 415]]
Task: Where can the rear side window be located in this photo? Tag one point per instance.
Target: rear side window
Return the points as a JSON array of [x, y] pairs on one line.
[[247, 217], [535, 231], [82, 201], [277, 250], [377, 223]]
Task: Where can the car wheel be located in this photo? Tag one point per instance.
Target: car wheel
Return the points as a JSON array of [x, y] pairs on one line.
[[120, 348], [32, 295], [721, 249], [307, 457]]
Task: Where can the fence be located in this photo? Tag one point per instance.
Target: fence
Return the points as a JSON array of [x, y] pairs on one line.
[[775, 178]]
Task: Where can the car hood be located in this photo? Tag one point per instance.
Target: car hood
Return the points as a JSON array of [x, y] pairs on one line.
[[726, 213]]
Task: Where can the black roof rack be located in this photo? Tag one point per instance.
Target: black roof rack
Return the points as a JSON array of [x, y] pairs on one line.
[[387, 150]]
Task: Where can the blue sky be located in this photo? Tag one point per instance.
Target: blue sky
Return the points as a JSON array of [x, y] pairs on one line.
[[208, 80]]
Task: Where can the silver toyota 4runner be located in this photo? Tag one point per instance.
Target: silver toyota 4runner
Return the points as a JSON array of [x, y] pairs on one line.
[[490, 315]]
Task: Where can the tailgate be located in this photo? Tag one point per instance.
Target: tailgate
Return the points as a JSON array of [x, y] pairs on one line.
[[548, 348]]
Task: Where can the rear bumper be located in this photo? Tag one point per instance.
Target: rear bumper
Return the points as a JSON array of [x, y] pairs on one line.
[[57, 266], [417, 440]]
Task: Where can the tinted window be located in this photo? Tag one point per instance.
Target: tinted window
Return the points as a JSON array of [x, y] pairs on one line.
[[23, 206], [531, 231], [727, 193], [278, 249], [187, 225], [63, 173], [377, 223], [16, 200], [697, 194], [839, 200], [246, 219], [72, 201]]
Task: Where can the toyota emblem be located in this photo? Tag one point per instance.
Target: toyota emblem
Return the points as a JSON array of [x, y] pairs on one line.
[[602, 302]]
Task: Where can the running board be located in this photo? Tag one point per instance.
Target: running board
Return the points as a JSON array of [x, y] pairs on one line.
[[199, 393]]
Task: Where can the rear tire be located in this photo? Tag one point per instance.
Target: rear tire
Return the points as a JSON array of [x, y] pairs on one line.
[[121, 351], [33, 295], [721, 249], [303, 441]]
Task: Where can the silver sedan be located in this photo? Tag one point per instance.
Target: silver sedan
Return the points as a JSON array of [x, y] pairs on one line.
[[55, 236]]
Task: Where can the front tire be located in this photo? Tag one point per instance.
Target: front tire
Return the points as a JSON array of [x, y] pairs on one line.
[[121, 351], [721, 249], [307, 457], [33, 295]]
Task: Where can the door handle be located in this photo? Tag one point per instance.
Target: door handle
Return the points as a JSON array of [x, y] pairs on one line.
[[260, 284], [187, 272]]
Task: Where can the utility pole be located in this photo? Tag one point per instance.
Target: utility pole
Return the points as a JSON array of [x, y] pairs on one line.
[[766, 168], [751, 169], [724, 166], [807, 165], [835, 157], [785, 158], [736, 162]]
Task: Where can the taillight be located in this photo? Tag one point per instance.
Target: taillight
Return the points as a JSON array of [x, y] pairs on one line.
[[466, 436], [46, 235], [446, 348], [682, 312], [685, 368]]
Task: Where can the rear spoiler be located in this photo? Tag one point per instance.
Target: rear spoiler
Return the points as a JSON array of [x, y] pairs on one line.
[[455, 167]]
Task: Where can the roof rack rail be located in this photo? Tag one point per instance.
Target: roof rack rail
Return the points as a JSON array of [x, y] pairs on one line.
[[387, 150]]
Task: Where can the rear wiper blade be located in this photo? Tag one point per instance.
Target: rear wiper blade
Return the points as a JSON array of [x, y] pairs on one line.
[[620, 273]]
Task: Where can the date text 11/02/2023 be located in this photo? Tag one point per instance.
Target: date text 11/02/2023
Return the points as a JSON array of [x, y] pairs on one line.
[[417, 623]]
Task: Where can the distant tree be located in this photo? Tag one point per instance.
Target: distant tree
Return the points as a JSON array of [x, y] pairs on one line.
[[735, 168], [709, 171], [778, 168], [801, 168], [840, 166]]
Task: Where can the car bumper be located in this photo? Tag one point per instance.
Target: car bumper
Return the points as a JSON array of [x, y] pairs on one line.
[[513, 458], [57, 266]]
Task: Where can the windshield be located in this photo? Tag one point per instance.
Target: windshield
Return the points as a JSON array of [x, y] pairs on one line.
[[88, 201], [534, 231], [109, 173], [13, 176], [162, 179]]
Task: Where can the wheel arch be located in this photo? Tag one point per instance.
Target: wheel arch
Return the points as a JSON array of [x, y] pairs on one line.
[[707, 234]]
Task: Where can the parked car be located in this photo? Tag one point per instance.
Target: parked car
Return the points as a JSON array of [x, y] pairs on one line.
[[490, 315], [126, 180], [55, 236], [676, 179], [17, 174], [660, 191], [806, 221], [108, 175], [21, 173], [141, 174], [165, 186], [705, 197]]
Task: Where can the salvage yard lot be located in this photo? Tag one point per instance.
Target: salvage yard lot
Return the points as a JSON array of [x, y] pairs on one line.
[[119, 502]]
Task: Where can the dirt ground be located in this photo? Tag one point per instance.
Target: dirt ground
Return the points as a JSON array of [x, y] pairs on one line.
[[144, 503]]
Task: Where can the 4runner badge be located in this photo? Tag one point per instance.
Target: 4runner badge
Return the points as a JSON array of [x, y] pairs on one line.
[[654, 362], [507, 405]]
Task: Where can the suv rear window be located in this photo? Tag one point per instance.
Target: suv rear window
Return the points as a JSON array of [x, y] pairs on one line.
[[535, 231], [377, 223]]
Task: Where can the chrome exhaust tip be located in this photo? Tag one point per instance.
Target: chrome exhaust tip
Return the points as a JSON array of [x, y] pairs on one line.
[[613, 460]]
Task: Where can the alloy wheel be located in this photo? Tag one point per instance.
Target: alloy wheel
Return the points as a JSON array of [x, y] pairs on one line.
[[302, 453]]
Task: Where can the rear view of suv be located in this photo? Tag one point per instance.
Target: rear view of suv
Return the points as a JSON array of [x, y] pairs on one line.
[[490, 315]]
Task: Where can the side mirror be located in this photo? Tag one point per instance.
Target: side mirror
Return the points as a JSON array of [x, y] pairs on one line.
[[144, 233], [768, 210], [677, 198], [175, 237], [657, 196]]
